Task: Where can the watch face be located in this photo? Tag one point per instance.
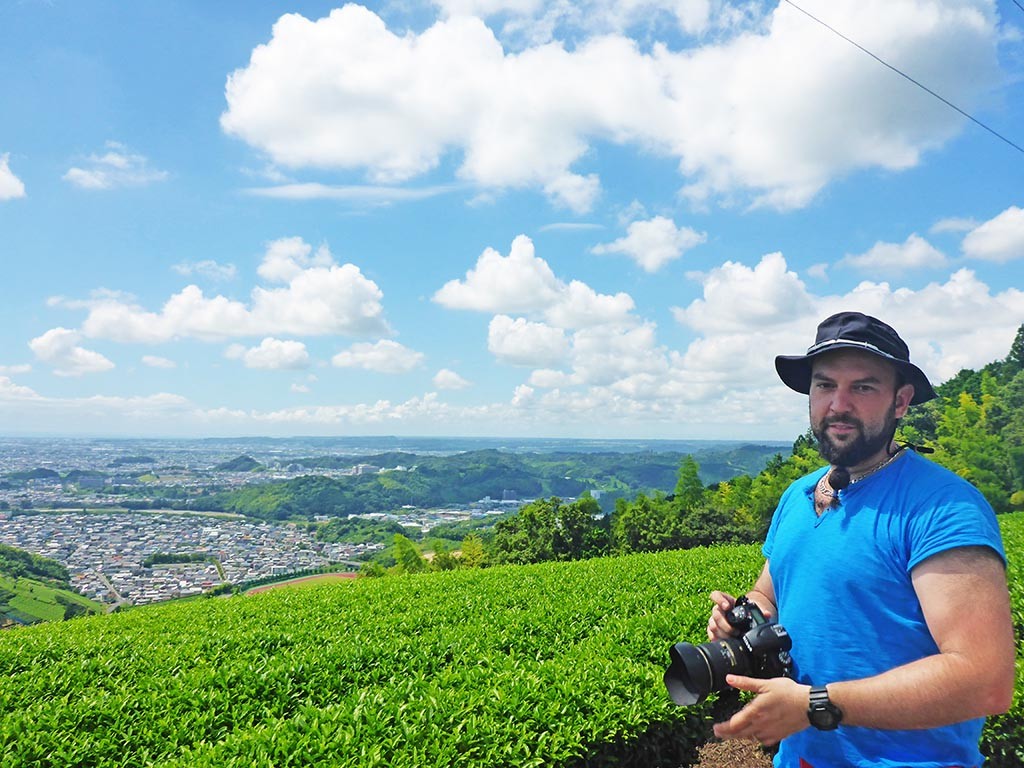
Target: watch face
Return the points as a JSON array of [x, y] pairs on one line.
[[824, 718], [822, 713]]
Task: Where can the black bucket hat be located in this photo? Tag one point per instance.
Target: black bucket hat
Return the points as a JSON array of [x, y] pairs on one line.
[[853, 330]]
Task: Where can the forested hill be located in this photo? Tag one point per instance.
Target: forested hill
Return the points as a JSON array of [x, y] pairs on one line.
[[975, 427], [410, 479], [34, 589], [17, 563]]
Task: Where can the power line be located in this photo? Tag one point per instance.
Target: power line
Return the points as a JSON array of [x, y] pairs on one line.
[[908, 77], [1018, 5]]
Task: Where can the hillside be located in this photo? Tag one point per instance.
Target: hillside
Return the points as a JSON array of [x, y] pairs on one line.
[[239, 464], [555, 665], [26, 601], [470, 476], [35, 589]]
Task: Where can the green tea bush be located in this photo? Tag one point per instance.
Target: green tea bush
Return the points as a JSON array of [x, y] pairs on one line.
[[1002, 741], [546, 665], [516, 666]]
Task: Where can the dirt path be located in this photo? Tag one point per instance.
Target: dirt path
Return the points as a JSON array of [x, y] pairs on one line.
[[732, 754]]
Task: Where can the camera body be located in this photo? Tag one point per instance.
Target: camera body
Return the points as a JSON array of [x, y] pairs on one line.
[[760, 649]]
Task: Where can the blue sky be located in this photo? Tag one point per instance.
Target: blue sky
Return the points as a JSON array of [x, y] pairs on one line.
[[492, 217]]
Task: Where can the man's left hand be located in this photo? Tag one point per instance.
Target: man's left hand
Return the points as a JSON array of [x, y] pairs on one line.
[[778, 710]]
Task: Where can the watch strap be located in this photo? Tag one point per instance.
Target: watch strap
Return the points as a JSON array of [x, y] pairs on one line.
[[821, 712]]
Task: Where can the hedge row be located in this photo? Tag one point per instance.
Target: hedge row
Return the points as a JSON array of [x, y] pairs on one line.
[[548, 665]]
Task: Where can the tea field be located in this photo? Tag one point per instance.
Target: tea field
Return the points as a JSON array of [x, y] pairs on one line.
[[549, 665]]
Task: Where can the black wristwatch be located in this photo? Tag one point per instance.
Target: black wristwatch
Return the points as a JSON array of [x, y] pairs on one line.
[[823, 714]]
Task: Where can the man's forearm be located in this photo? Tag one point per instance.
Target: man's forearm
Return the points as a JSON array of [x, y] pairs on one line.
[[763, 593], [930, 692], [764, 602]]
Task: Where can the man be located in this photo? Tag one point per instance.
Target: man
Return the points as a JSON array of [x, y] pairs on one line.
[[887, 571]]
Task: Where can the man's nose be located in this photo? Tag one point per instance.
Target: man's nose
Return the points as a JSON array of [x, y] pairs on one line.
[[841, 401]]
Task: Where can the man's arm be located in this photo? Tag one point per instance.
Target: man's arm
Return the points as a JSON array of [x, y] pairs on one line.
[[966, 605], [763, 594]]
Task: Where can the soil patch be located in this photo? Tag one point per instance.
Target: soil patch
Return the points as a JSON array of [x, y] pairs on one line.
[[732, 754]]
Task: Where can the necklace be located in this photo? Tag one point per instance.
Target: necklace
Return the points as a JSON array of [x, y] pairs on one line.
[[883, 463], [838, 478]]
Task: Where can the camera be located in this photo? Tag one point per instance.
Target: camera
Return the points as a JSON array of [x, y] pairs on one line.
[[761, 649]]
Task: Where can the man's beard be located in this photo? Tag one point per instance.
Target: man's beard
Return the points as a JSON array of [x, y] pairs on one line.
[[862, 447]]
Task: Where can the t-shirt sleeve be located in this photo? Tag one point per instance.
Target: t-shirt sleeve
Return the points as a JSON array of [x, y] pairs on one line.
[[954, 515]]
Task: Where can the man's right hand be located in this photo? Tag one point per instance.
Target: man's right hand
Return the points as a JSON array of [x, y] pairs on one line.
[[718, 627]]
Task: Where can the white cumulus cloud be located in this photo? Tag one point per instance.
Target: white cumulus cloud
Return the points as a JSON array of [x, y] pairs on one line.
[[580, 306], [1000, 239], [319, 297], [573, 191], [59, 348], [271, 355], [523, 283], [449, 379], [746, 311], [741, 113], [521, 342], [892, 258], [603, 356], [518, 282], [653, 243], [738, 298], [384, 356], [11, 187], [11, 391], [289, 257]]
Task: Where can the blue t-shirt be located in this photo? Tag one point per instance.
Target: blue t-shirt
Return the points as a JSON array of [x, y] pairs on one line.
[[842, 582]]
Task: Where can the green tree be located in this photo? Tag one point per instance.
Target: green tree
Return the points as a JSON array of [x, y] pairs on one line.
[[967, 447], [1016, 357], [1012, 431], [529, 536], [407, 556], [767, 488], [580, 531], [548, 529], [734, 496], [472, 550], [443, 560], [642, 525], [689, 491]]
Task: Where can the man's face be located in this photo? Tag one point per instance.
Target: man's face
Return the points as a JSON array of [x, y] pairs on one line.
[[854, 405]]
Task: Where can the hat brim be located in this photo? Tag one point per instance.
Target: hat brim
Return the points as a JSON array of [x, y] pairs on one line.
[[795, 372]]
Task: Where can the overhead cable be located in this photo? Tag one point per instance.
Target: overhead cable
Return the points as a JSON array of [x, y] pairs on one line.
[[908, 77]]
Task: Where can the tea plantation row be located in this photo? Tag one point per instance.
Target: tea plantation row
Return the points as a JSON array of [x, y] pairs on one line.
[[554, 665]]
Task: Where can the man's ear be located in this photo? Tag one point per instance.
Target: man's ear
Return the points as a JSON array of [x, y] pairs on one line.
[[903, 397]]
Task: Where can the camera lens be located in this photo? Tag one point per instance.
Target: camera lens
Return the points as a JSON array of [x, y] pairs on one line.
[[696, 670]]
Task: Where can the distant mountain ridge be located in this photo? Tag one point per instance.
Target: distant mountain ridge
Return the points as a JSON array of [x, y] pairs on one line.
[[455, 444], [463, 478]]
